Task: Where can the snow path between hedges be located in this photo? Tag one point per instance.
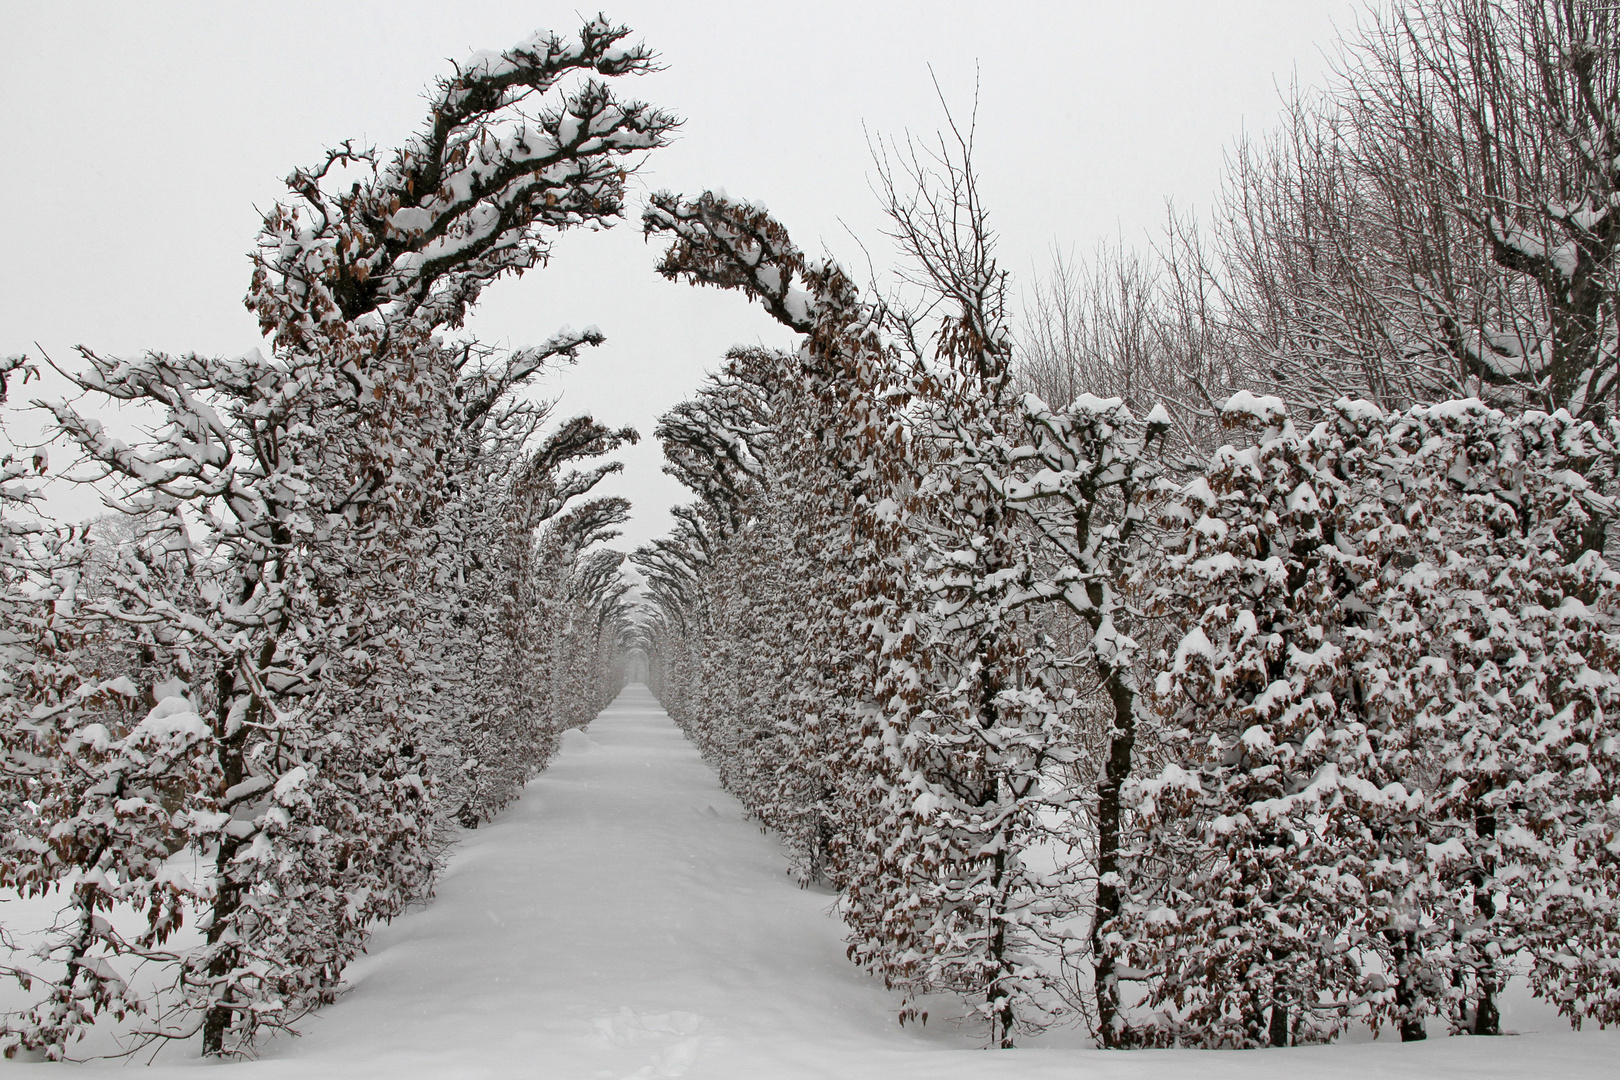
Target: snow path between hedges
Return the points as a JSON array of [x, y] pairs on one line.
[[625, 920]]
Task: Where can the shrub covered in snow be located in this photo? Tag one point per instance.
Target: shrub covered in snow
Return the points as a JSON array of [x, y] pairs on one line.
[[355, 569]]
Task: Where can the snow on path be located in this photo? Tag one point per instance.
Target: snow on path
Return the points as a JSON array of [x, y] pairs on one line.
[[624, 920]]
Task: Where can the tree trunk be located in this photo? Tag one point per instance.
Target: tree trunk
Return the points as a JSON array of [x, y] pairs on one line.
[[1403, 949], [1487, 1018], [1121, 741], [1278, 1029], [1001, 1007], [227, 890]]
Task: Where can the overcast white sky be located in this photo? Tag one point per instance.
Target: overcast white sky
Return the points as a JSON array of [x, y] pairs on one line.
[[141, 137]]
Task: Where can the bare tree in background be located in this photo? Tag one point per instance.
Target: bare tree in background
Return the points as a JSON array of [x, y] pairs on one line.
[[1438, 222], [1130, 325], [1441, 221]]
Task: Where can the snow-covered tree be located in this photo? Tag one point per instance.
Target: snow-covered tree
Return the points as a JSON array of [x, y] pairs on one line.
[[979, 750], [1493, 649], [303, 490], [853, 469], [83, 777], [1248, 895], [499, 604], [1367, 789], [1083, 477], [916, 736]]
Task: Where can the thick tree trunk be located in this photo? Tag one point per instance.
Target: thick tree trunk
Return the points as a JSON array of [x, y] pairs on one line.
[[227, 899], [1487, 1018], [1278, 1028], [1403, 950], [227, 889], [1121, 742]]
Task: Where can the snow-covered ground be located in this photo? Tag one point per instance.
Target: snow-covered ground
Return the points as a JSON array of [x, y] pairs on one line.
[[624, 920]]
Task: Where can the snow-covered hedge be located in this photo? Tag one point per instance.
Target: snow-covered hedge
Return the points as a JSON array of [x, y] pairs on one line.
[[358, 596], [1319, 731], [1387, 715]]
